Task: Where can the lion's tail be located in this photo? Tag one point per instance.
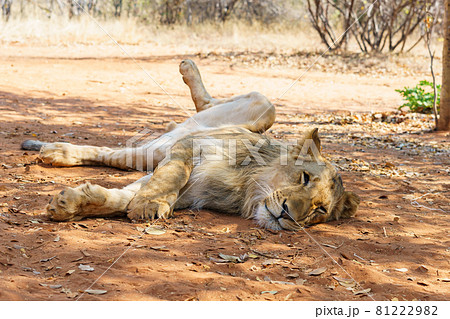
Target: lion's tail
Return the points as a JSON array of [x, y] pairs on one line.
[[32, 145]]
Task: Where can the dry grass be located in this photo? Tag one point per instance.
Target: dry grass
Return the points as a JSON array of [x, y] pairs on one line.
[[209, 37], [60, 30], [233, 36]]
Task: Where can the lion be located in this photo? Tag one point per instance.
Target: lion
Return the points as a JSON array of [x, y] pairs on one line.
[[219, 159]]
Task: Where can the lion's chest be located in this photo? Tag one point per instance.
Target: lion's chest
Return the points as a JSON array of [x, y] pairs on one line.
[[214, 185]]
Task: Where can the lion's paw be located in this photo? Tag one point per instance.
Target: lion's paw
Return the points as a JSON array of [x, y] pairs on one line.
[[59, 154], [66, 205], [142, 208], [189, 71], [187, 67]]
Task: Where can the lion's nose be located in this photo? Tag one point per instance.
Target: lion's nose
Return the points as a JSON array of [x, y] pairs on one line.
[[50, 210], [284, 215], [320, 210], [284, 211]]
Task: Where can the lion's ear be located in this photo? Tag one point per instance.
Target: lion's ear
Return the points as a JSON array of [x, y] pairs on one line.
[[314, 136], [309, 144], [351, 204]]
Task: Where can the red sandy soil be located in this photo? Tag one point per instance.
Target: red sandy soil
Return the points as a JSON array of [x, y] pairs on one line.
[[397, 245]]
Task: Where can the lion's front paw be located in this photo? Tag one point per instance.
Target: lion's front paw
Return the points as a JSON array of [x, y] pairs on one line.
[[59, 154], [66, 205], [143, 208]]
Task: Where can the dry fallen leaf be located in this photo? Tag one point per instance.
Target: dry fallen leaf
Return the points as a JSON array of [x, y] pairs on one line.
[[273, 292], [51, 286], [281, 282], [269, 262], [85, 253], [360, 292], [344, 282], [160, 248], [47, 259], [154, 231], [190, 299], [69, 272], [317, 272], [69, 293], [95, 292], [54, 286], [231, 258], [243, 257], [402, 269], [86, 267]]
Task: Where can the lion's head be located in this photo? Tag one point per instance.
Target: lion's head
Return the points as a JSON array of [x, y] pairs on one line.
[[307, 190]]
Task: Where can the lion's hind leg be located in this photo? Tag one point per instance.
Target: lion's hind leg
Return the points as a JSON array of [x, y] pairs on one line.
[[192, 78], [66, 154]]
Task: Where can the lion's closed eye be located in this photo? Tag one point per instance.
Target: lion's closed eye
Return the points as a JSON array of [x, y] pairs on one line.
[[305, 179]]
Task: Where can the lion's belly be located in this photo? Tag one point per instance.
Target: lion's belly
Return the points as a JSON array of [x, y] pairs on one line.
[[213, 185]]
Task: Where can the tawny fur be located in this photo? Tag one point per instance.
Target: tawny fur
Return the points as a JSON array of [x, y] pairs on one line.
[[246, 177]]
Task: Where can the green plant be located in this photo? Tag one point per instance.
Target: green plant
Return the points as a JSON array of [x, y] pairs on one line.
[[420, 98]]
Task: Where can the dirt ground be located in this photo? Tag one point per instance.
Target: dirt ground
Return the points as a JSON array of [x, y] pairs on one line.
[[396, 248]]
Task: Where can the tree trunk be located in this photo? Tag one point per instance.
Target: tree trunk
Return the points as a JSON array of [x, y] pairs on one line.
[[444, 118]]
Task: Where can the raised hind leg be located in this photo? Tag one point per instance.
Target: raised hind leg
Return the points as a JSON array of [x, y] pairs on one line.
[[252, 111], [89, 200], [193, 79]]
